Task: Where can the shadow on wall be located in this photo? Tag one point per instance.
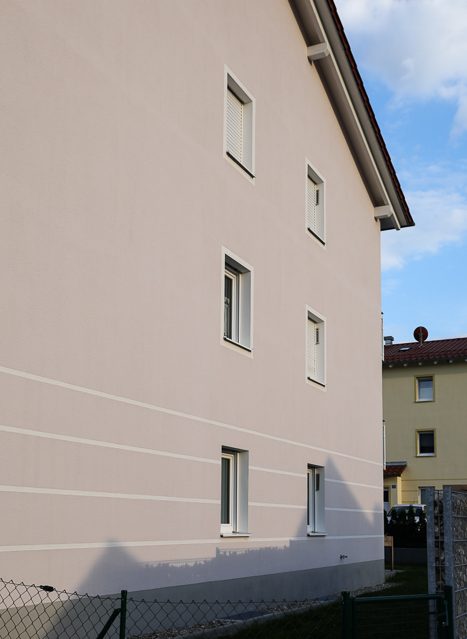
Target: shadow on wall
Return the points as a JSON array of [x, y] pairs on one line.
[[259, 573], [236, 558]]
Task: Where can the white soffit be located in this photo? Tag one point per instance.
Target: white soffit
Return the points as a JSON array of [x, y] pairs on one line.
[[326, 50]]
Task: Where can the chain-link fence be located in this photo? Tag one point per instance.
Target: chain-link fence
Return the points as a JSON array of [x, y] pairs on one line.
[[41, 612], [455, 536], [447, 548]]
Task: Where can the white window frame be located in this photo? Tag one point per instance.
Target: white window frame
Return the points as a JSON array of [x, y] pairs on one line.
[[315, 347], [231, 525], [237, 494], [315, 500], [423, 432], [239, 146], [417, 388], [315, 200], [241, 275], [233, 319]]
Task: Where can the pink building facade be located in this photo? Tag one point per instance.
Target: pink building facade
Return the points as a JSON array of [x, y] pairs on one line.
[[192, 197]]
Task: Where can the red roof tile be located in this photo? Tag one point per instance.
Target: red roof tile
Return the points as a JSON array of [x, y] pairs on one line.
[[441, 350]]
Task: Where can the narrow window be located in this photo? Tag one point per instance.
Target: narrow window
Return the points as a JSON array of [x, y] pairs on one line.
[[231, 289], [228, 492], [237, 302], [315, 349], [425, 443], [315, 500], [234, 492], [315, 204], [239, 125], [424, 389]]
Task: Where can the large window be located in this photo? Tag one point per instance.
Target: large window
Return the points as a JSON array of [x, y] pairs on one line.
[[315, 348], [239, 121], [425, 443], [315, 500], [234, 492], [237, 302], [424, 389], [315, 204]]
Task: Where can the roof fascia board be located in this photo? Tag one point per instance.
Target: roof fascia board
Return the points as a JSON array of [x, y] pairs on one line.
[[337, 75]]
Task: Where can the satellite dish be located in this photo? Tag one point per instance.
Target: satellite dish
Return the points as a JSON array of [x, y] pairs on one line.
[[420, 334]]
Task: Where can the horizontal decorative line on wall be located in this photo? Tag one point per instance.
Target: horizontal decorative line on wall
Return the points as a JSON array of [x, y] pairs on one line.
[[278, 472], [354, 483], [269, 505], [33, 490], [333, 537], [102, 444], [355, 510], [182, 542], [175, 413], [84, 441], [106, 495]]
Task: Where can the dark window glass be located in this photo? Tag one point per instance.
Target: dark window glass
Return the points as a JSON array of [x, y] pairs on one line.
[[228, 303], [225, 491], [426, 443]]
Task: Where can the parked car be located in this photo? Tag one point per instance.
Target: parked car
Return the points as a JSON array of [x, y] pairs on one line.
[[395, 512]]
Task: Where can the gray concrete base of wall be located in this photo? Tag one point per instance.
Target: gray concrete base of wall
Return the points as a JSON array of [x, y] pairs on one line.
[[296, 585]]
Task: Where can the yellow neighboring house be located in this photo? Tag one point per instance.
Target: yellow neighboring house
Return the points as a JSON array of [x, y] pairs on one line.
[[425, 413]]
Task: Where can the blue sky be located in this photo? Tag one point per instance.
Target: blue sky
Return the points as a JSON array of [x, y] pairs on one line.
[[412, 55]]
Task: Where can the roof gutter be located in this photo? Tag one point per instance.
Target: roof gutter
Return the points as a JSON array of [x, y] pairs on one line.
[[328, 49]]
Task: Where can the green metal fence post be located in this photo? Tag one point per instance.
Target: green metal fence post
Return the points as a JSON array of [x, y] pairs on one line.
[[347, 623], [123, 602], [449, 604]]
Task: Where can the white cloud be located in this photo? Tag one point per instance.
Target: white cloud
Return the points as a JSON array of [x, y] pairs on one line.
[[441, 219], [418, 48]]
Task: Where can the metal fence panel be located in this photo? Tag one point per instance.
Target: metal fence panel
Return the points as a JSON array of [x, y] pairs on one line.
[[401, 616]]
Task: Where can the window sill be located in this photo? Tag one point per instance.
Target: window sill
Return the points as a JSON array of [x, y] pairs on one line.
[[231, 341], [316, 534], [242, 166], [234, 534], [315, 381], [424, 401], [426, 455], [317, 237]]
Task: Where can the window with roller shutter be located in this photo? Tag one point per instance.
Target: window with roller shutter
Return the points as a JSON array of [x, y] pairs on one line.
[[239, 115], [234, 125], [315, 355], [315, 204]]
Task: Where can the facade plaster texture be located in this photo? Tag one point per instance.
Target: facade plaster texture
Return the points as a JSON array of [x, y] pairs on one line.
[[117, 391]]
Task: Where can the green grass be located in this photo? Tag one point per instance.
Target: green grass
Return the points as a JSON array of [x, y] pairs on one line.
[[408, 580], [377, 620], [401, 619]]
